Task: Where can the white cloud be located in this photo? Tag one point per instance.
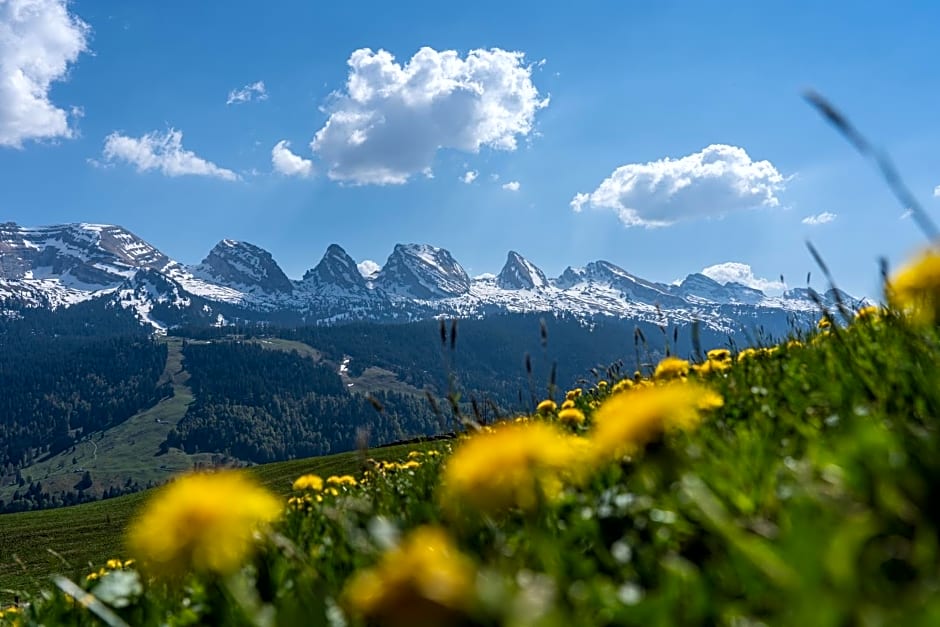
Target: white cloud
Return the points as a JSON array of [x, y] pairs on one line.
[[717, 180], [367, 267], [251, 91], [39, 39], [163, 152], [821, 218], [289, 164], [936, 191], [733, 272], [512, 186], [907, 214], [469, 176], [391, 119]]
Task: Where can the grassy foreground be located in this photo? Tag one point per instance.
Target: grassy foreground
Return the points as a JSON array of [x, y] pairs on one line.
[[796, 484], [68, 540]]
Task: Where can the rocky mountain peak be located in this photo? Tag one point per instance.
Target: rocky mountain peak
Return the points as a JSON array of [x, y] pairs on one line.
[[336, 268], [234, 263], [520, 274], [422, 271]]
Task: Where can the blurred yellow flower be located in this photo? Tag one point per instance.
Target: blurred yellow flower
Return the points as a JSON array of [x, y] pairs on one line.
[[626, 422], [573, 394], [671, 368], [747, 353], [308, 482], [623, 384], [514, 465], [915, 288], [712, 366], [547, 406], [571, 416], [342, 480], [567, 405], [602, 385], [824, 323], [870, 312], [719, 354], [201, 522], [114, 564], [424, 581]]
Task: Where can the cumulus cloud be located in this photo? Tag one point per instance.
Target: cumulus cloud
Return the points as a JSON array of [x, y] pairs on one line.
[[715, 181], [163, 152], [936, 191], [391, 119], [512, 186], [821, 218], [39, 39], [734, 272], [469, 176], [289, 164], [251, 91], [367, 267]]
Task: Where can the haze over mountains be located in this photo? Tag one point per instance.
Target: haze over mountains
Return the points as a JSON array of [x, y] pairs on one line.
[[61, 265]]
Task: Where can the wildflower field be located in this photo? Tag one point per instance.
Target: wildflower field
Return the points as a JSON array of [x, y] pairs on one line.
[[797, 483]]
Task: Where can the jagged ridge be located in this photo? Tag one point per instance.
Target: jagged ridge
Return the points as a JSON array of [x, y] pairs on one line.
[[61, 265]]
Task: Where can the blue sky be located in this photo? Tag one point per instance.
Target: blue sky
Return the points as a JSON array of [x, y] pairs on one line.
[[130, 114]]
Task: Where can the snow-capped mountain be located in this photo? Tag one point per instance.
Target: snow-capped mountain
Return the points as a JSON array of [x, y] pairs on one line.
[[423, 272], [336, 270], [698, 287], [59, 266], [245, 266], [520, 274]]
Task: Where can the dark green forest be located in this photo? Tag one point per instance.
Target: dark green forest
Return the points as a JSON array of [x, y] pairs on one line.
[[67, 373], [264, 405]]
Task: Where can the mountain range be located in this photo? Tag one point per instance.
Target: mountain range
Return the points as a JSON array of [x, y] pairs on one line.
[[62, 265]]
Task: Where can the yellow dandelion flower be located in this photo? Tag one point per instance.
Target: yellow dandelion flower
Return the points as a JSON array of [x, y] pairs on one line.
[[571, 416], [342, 480], [411, 464], [414, 454], [91, 576], [623, 384], [512, 466], [602, 385], [114, 564], [915, 288], [308, 482], [719, 354], [573, 394], [626, 422], [747, 353], [547, 406], [824, 323], [671, 368], [709, 399], [202, 522], [424, 581], [129, 563], [567, 405], [712, 366], [871, 312], [794, 344]]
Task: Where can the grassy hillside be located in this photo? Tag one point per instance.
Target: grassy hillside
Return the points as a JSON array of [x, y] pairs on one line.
[[128, 451], [33, 545]]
